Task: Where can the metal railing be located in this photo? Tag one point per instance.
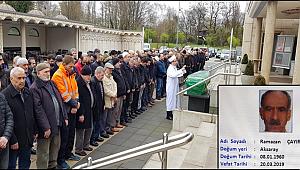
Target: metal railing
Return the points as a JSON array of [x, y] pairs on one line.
[[208, 78], [212, 76], [162, 145]]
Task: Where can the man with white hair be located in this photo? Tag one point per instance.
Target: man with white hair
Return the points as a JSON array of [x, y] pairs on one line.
[[172, 86], [15, 60], [20, 100], [23, 63], [99, 116]]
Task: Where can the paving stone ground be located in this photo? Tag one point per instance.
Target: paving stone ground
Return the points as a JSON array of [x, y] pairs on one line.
[[146, 128]]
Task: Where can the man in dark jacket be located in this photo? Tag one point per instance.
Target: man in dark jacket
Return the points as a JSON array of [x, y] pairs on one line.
[[4, 80], [161, 73], [98, 62], [127, 74], [84, 116], [121, 91], [50, 115], [99, 117], [6, 130], [20, 100]]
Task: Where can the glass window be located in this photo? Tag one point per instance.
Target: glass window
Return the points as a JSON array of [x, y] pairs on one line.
[[14, 31], [34, 33]]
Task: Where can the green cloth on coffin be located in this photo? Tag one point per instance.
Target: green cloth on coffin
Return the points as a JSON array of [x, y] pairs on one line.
[[195, 78]]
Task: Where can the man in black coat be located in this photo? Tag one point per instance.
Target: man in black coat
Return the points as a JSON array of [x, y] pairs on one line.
[[4, 80], [121, 92], [127, 74], [20, 100], [6, 130], [84, 115], [50, 116], [99, 116]]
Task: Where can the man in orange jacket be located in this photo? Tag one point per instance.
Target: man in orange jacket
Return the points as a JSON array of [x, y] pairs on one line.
[[64, 79]]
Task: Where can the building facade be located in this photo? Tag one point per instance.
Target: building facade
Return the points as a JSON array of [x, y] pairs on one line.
[[271, 38], [33, 31]]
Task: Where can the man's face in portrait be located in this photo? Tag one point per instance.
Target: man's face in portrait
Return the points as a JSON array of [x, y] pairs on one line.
[[275, 111]]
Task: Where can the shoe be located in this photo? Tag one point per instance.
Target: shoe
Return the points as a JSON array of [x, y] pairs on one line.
[[150, 105], [82, 153], [158, 99], [100, 139], [129, 121], [63, 165], [74, 157], [93, 143], [114, 130], [132, 117], [33, 151], [104, 135], [88, 149], [124, 124], [133, 114], [119, 125], [110, 132], [137, 112], [169, 118]]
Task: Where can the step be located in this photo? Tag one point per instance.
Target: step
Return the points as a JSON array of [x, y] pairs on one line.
[[201, 152]]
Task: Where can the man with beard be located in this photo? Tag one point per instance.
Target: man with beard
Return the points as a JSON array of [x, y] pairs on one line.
[[275, 110], [84, 59], [50, 114]]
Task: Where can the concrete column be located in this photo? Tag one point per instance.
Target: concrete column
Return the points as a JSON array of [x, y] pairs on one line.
[[257, 43], [23, 38], [77, 39], [296, 76], [268, 40], [1, 37]]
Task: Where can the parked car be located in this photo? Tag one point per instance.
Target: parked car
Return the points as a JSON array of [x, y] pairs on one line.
[[224, 54], [146, 46], [212, 52], [163, 48]]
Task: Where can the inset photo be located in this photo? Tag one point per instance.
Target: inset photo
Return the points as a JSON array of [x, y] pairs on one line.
[[275, 111]]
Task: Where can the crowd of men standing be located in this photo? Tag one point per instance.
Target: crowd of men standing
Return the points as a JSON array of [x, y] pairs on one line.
[[77, 99]]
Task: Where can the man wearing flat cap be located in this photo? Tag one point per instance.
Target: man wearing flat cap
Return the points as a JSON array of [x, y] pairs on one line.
[[50, 116]]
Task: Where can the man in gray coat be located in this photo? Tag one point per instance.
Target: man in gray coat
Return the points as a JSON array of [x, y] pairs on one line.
[[6, 130]]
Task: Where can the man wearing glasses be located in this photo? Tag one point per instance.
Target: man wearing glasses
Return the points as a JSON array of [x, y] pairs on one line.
[[275, 110]]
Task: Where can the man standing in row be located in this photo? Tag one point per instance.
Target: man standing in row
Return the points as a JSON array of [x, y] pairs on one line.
[[64, 79], [99, 115], [6, 130], [50, 114], [20, 100]]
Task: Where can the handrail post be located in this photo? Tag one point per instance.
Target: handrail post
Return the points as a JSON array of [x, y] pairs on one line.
[[164, 160], [224, 69], [180, 97], [90, 162]]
